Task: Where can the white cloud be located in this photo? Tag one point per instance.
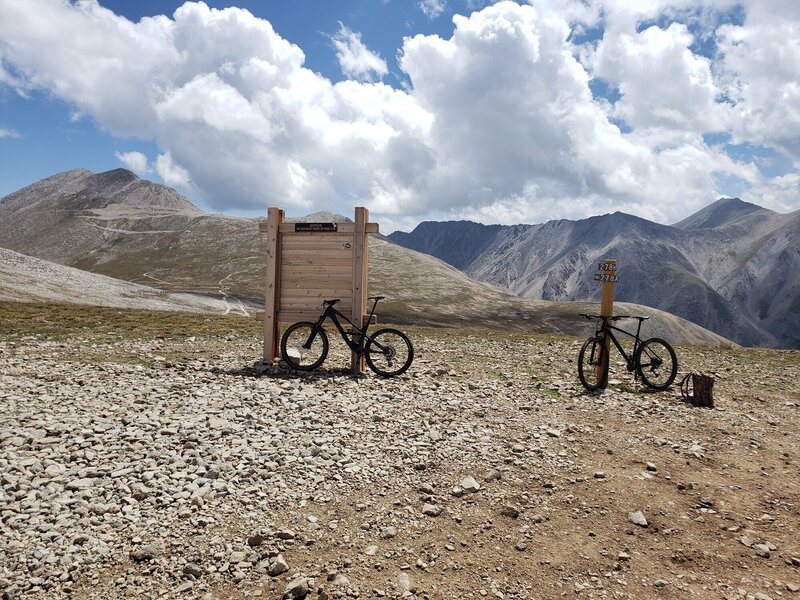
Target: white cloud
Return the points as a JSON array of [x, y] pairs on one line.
[[135, 161], [432, 8], [760, 72], [662, 82], [171, 173], [497, 122], [355, 59], [8, 133]]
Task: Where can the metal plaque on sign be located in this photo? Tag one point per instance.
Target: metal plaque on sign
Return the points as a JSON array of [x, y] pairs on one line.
[[606, 277], [607, 266], [314, 227]]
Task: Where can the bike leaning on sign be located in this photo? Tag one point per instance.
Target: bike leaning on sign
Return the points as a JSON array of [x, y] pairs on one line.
[[653, 360], [388, 352]]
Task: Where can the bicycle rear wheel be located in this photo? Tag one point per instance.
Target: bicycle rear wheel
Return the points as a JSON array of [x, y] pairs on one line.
[[590, 359], [656, 363], [302, 351], [389, 352]]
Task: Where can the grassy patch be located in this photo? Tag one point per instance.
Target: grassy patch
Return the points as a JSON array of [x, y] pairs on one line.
[[60, 322]]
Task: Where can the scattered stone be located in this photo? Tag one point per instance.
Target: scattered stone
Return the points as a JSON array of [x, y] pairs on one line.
[[509, 511], [277, 566], [296, 589], [388, 532], [193, 569], [186, 586], [659, 583], [651, 467], [520, 546], [469, 484], [762, 550], [494, 475], [148, 551], [80, 484], [404, 581], [431, 510], [599, 474], [637, 518], [256, 540]]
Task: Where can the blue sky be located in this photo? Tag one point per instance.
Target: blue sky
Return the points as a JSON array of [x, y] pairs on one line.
[[435, 109]]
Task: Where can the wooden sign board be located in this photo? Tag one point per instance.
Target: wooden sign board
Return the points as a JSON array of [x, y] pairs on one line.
[[607, 266], [311, 262]]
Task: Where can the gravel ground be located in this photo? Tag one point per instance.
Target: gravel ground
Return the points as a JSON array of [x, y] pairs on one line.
[[181, 468]]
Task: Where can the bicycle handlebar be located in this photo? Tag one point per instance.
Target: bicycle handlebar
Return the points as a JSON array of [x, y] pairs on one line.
[[613, 317]]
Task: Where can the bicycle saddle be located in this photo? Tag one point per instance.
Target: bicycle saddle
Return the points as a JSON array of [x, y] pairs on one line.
[[376, 297], [331, 302]]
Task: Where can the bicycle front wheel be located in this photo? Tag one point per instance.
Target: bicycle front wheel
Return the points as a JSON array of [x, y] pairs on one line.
[[656, 363], [302, 349], [590, 361], [389, 352]]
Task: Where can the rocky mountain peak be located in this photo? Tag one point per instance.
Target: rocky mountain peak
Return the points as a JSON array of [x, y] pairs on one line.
[[720, 213]]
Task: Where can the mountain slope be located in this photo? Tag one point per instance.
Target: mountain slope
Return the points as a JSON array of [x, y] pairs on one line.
[[29, 279], [172, 246], [719, 268]]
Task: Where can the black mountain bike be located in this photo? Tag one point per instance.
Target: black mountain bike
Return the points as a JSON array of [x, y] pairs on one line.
[[388, 352], [653, 360]]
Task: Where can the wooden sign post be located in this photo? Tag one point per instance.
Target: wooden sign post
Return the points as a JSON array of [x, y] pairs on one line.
[[308, 263], [608, 275]]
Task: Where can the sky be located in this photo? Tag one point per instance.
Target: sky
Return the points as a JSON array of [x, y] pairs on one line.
[[498, 112]]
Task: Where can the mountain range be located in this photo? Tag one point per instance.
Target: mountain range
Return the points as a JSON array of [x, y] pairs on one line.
[[118, 225], [733, 267]]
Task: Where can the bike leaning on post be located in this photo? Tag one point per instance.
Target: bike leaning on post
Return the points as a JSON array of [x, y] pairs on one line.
[[653, 360], [388, 352]]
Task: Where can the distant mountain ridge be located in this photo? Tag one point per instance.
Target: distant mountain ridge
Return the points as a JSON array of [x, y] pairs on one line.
[[147, 233], [732, 267]]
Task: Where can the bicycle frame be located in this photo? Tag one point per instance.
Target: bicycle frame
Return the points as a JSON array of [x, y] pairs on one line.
[[358, 333], [606, 331]]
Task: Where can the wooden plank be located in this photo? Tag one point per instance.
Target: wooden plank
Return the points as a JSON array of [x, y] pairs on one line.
[[293, 254], [313, 302], [327, 293], [337, 271], [359, 280], [295, 316], [286, 316], [274, 218], [314, 280], [316, 238]]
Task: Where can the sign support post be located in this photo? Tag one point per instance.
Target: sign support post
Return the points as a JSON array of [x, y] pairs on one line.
[[360, 257], [608, 275], [272, 289]]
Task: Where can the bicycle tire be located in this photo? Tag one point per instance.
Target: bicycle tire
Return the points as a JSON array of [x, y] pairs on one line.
[[292, 349], [386, 345], [661, 364], [590, 358]]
